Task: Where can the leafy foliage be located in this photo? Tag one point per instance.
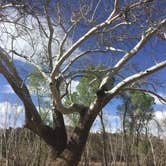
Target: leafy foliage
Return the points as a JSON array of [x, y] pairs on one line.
[[85, 91], [138, 107], [36, 81]]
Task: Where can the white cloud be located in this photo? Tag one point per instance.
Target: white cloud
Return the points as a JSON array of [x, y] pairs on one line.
[[160, 115], [10, 114], [157, 126], [29, 40]]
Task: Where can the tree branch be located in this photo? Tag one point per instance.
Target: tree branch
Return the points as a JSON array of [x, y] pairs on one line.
[[137, 76], [114, 12], [33, 120], [144, 38], [79, 42], [163, 100], [9, 71], [51, 30], [64, 40], [113, 16]]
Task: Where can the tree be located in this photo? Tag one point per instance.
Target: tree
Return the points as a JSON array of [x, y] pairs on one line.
[[40, 32], [85, 93], [137, 112]]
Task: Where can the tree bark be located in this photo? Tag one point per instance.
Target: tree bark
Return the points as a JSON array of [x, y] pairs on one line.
[[67, 158], [104, 137], [71, 155]]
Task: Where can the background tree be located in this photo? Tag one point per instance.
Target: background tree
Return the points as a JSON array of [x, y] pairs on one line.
[[40, 32], [136, 112]]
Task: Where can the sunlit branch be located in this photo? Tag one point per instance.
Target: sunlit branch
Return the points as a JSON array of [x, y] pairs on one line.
[[113, 16], [11, 5], [114, 12], [51, 30], [136, 76], [95, 10], [79, 42], [64, 40], [144, 38]]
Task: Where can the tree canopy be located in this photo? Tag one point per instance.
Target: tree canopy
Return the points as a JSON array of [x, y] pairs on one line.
[[59, 38]]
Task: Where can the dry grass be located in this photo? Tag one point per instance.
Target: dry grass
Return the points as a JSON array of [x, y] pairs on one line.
[[100, 164]]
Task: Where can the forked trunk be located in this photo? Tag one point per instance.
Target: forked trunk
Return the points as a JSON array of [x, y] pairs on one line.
[[71, 155], [67, 158]]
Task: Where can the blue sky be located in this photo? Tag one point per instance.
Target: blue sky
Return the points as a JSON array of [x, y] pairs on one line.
[[154, 50]]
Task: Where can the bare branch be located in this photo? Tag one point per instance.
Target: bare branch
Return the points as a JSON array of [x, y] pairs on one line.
[[144, 38], [94, 12], [12, 5], [51, 30], [137, 76], [79, 42], [117, 50], [114, 12], [64, 40], [100, 102], [138, 4], [113, 16]]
